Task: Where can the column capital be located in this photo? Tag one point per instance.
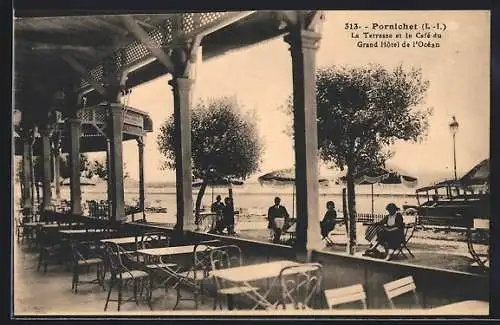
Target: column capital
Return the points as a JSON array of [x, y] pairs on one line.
[[182, 84], [140, 141], [305, 38]]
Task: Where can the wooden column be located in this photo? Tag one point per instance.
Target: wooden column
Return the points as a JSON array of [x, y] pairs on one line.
[[47, 166], [182, 119], [140, 147], [303, 46], [57, 168], [27, 179], [108, 178], [75, 125], [115, 124]]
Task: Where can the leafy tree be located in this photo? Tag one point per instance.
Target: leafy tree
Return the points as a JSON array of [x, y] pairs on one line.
[[224, 143], [361, 112], [65, 169], [99, 168]]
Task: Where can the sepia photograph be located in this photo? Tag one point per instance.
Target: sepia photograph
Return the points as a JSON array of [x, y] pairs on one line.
[[251, 163]]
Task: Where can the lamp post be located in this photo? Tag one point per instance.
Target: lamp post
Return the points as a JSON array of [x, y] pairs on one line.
[[453, 129]]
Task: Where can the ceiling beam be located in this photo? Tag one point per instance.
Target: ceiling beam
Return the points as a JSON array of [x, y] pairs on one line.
[[117, 29], [142, 36], [84, 73]]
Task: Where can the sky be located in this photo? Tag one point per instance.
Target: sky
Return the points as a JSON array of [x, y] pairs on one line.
[[260, 78]]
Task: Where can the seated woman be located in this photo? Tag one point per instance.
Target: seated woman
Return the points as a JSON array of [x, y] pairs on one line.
[[328, 223], [389, 231]]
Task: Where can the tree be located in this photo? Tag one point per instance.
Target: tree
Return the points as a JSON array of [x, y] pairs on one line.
[[361, 112], [99, 168], [65, 169], [224, 142]]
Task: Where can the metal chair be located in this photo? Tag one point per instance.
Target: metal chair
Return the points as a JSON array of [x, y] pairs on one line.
[[50, 248], [122, 276], [85, 258], [345, 295], [299, 285], [410, 224], [198, 273], [400, 287], [227, 257]]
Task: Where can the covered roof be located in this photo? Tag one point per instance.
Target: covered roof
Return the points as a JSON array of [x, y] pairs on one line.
[[79, 46], [136, 124]]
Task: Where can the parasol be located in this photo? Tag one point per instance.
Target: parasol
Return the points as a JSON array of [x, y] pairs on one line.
[[218, 182], [285, 176], [387, 175]]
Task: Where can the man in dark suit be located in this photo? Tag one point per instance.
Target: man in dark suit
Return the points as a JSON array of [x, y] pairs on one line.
[[278, 217]]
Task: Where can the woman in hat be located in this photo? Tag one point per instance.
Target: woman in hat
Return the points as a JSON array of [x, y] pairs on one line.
[[389, 231]]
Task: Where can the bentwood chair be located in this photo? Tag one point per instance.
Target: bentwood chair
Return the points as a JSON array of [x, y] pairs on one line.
[[85, 258], [346, 295], [224, 257], [50, 248], [300, 286], [122, 276], [198, 273], [401, 287]]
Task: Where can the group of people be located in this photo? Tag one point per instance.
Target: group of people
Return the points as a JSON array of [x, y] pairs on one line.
[[389, 232], [224, 216]]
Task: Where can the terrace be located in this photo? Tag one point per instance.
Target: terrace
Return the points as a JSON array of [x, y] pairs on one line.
[[100, 58]]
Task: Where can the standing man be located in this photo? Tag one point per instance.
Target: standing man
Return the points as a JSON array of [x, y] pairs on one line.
[[278, 217], [218, 209]]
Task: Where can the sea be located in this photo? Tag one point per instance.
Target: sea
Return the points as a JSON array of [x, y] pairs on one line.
[[255, 199]]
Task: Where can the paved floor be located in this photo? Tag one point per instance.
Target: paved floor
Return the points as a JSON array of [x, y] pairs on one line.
[[42, 293]]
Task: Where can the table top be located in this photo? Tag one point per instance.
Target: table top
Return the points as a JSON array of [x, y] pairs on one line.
[[175, 250], [253, 272], [472, 306], [122, 240]]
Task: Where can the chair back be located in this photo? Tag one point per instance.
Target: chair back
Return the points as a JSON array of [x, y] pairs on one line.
[[113, 258], [400, 287], [224, 257], [201, 260], [300, 284], [344, 295]]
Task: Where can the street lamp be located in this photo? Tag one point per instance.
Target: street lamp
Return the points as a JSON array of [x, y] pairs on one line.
[[453, 129]]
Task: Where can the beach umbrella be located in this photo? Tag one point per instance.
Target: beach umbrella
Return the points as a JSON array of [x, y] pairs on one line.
[[387, 175], [285, 176], [218, 182], [478, 175]]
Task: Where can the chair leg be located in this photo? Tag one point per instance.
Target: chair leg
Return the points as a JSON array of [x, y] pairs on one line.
[[149, 283], [120, 285], [178, 296], [409, 251], [135, 291], [111, 284], [77, 279]]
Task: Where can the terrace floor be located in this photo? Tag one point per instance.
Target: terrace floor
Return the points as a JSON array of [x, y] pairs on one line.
[[39, 293]]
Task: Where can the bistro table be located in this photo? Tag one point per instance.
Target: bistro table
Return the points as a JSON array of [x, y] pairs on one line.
[[121, 240], [467, 307], [243, 275], [154, 256]]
